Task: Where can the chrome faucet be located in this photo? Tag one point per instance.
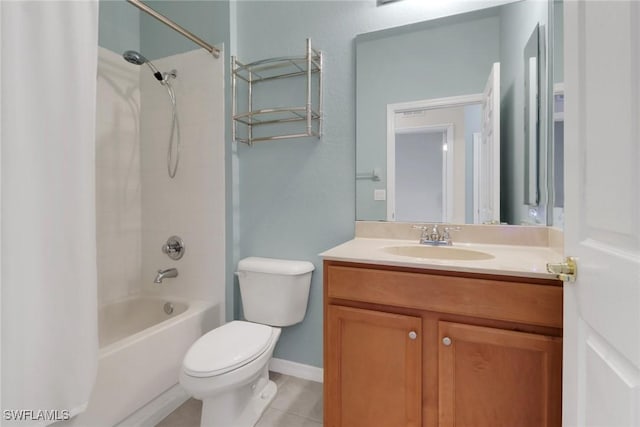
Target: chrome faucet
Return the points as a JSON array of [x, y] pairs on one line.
[[165, 274], [431, 235]]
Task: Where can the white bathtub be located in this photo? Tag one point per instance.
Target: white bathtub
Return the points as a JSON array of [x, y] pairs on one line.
[[141, 352]]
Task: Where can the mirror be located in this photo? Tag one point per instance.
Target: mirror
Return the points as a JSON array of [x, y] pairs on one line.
[[437, 63]]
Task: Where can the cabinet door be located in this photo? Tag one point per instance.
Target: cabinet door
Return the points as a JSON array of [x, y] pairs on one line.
[[373, 369], [493, 377]]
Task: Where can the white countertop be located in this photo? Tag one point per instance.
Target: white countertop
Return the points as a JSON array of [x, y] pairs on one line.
[[509, 260]]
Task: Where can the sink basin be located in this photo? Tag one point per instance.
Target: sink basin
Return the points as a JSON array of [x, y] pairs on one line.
[[438, 252]]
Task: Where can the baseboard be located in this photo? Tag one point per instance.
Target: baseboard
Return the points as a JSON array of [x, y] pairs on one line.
[[306, 372]]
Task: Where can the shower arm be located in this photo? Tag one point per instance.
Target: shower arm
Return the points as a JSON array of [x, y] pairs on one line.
[[197, 40]]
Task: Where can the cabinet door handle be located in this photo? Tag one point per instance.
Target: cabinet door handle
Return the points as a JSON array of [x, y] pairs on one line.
[[446, 341], [413, 335]]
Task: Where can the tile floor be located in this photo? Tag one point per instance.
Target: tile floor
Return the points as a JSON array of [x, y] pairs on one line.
[[297, 404]]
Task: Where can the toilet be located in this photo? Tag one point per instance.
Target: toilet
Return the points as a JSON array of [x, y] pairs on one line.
[[228, 368]]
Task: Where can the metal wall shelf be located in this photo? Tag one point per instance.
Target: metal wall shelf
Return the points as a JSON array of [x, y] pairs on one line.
[[286, 122]]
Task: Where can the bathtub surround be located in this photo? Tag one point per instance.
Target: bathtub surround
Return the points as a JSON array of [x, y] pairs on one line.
[[118, 180], [138, 208], [211, 20], [138, 205], [49, 330], [191, 205]]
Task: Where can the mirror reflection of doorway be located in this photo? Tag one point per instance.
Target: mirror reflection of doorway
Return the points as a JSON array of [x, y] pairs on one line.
[[430, 164], [421, 158], [464, 186]]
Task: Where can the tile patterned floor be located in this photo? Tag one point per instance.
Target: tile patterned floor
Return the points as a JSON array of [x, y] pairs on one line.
[[297, 404]]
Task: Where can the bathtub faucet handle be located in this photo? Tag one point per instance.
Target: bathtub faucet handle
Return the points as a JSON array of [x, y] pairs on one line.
[[174, 248]]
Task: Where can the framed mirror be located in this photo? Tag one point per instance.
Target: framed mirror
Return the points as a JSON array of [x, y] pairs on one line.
[[443, 59]]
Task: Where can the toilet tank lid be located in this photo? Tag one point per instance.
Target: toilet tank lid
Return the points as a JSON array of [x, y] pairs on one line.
[[275, 266]]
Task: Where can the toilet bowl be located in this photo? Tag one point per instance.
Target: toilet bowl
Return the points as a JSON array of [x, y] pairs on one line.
[[227, 368]]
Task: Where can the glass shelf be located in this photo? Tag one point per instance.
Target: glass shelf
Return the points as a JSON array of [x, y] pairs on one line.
[[277, 68], [296, 122], [274, 115]]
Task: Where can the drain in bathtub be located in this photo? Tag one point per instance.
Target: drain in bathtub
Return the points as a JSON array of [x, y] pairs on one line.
[[168, 307]]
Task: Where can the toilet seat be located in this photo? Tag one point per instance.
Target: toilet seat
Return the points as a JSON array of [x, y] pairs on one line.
[[227, 348]]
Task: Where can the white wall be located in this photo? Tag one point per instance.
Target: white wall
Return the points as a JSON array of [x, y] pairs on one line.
[[118, 185], [192, 204]]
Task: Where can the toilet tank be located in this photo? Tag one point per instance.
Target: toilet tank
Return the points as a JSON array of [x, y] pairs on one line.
[[274, 291]]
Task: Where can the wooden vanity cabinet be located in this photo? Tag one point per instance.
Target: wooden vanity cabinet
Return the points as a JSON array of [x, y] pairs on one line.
[[380, 361], [411, 347]]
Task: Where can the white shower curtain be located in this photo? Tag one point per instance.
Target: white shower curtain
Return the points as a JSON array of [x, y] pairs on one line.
[[49, 319]]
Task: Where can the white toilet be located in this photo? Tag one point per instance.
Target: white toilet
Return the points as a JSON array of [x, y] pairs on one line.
[[227, 368]]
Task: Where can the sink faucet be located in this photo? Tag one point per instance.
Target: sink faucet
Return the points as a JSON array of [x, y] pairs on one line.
[[431, 235], [165, 274]]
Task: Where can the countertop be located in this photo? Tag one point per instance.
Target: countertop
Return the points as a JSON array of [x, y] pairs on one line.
[[509, 260]]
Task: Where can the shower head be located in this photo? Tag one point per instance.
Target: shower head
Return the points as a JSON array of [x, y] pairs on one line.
[[136, 58]]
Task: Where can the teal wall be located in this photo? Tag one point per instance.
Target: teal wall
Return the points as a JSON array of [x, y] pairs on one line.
[[119, 26], [297, 197], [123, 27], [208, 20], [435, 59]]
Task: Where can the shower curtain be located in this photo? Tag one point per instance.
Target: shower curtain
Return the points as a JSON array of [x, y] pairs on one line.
[[48, 53]]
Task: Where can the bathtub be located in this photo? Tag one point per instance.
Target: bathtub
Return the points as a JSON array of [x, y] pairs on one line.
[[142, 343]]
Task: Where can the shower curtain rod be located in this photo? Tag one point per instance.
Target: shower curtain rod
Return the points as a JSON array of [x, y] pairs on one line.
[[197, 40]]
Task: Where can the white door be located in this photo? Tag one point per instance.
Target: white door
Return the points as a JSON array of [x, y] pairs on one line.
[[602, 205], [488, 209]]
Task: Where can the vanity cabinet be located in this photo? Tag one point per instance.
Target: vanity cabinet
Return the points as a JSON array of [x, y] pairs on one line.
[[491, 377], [414, 347], [379, 357]]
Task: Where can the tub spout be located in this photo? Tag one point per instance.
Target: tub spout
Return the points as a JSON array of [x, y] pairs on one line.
[[164, 274]]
